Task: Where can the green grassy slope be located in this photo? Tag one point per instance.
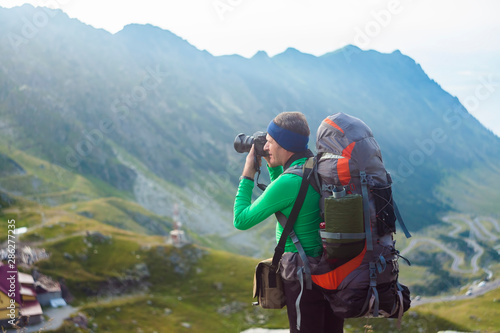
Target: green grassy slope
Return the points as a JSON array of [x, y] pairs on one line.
[[479, 314], [477, 188], [47, 183]]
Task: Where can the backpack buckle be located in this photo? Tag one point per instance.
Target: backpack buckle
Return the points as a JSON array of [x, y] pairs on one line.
[[373, 274], [327, 188], [364, 179]]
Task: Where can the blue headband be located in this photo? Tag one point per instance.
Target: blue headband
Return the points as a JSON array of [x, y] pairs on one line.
[[287, 139]]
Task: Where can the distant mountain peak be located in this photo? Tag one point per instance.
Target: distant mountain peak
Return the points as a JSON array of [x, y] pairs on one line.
[[293, 51], [149, 36], [29, 9], [261, 55], [136, 28], [294, 55], [142, 27], [349, 48]]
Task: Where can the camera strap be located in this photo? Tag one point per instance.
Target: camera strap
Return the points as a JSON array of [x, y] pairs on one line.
[[257, 167]]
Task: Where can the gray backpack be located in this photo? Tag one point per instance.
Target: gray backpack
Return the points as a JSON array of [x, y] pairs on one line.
[[358, 271]]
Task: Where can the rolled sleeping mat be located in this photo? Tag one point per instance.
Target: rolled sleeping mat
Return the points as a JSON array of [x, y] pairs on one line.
[[344, 233]]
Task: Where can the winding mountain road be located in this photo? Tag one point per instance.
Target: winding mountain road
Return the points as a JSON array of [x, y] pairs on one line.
[[457, 259], [477, 231], [493, 222], [489, 286]]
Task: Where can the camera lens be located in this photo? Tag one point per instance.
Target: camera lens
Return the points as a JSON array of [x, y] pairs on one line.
[[243, 143]]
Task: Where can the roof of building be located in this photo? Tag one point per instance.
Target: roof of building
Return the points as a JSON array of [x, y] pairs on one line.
[[32, 308], [26, 278], [27, 291], [45, 284]]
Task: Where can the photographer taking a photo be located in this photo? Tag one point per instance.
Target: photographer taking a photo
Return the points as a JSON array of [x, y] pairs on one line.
[[286, 146]]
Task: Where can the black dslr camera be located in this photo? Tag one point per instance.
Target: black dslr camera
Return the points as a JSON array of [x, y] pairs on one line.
[[243, 143]]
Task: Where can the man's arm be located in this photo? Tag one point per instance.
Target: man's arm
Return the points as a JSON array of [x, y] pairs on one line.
[[279, 195]]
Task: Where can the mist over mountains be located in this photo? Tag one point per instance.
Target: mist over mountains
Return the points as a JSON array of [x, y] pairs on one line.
[[144, 116]]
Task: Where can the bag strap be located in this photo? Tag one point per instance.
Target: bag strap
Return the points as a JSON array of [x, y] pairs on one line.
[[400, 219], [396, 211], [302, 253], [288, 227]]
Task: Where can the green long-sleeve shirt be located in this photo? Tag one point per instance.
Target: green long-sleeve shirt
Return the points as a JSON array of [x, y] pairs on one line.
[[280, 195]]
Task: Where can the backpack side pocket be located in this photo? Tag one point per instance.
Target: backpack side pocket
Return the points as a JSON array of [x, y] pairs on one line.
[[384, 207]]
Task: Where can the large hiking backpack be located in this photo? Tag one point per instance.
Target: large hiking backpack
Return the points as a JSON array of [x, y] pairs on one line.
[[358, 272]]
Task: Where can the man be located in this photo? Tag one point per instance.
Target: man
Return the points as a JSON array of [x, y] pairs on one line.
[[287, 138]]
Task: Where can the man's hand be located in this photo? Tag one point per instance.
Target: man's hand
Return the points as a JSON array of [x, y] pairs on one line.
[[250, 168]]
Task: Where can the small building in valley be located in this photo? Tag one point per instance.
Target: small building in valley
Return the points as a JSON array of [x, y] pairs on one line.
[[31, 311], [48, 291]]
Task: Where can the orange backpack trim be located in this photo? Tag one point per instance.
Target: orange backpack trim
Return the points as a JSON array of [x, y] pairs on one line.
[[332, 123], [343, 165], [333, 279]]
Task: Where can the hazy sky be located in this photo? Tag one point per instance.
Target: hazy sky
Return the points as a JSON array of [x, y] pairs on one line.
[[457, 42]]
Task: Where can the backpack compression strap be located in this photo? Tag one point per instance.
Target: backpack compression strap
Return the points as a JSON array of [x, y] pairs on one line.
[[366, 211], [369, 243]]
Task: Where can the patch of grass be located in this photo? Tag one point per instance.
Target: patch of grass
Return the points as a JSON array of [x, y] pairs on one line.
[[484, 184], [25, 217], [48, 223], [413, 321], [54, 230], [49, 181], [28, 185], [414, 275], [167, 313], [122, 214], [44, 170], [60, 198], [81, 258], [476, 314]]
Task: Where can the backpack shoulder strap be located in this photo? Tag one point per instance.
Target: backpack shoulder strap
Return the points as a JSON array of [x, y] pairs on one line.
[[313, 178], [297, 170], [280, 248]]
